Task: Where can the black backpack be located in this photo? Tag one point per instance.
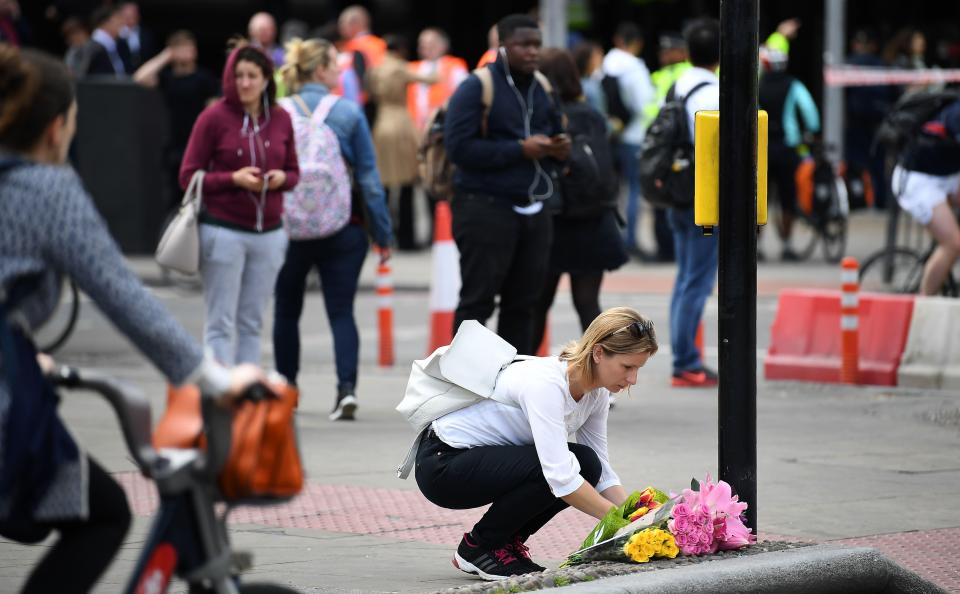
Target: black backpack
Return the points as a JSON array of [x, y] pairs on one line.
[[666, 155], [589, 185], [616, 107], [901, 128]]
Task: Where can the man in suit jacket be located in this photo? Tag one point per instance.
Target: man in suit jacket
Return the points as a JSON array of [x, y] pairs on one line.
[[107, 49], [140, 42]]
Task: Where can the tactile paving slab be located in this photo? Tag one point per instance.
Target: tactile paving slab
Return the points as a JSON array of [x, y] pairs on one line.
[[390, 513], [931, 554], [401, 514]]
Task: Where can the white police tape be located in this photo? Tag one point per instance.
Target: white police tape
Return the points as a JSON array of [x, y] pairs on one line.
[[864, 76]]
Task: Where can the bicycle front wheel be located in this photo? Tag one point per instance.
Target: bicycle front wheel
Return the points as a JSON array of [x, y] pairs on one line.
[[896, 271], [804, 236], [834, 236]]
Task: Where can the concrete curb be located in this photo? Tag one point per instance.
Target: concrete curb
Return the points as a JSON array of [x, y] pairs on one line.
[[821, 568], [931, 358]]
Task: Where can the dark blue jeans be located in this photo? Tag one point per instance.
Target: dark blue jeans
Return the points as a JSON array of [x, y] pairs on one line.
[[629, 155], [696, 272], [338, 259]]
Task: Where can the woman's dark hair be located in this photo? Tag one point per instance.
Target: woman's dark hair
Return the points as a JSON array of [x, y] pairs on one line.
[[703, 42], [582, 55], [249, 53], [35, 88], [557, 65], [510, 23]]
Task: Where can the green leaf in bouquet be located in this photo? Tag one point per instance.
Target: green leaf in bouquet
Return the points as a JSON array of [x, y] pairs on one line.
[[694, 485], [659, 496], [606, 527], [611, 548], [629, 505]]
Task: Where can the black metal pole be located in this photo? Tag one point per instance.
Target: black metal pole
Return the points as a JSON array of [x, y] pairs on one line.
[[739, 22]]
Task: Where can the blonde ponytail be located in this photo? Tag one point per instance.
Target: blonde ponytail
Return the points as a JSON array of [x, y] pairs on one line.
[[302, 59]]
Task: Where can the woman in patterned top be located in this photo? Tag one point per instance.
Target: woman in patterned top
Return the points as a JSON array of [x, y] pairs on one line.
[[51, 229]]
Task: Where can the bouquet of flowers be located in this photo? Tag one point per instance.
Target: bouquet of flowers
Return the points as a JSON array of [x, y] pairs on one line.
[[703, 519]]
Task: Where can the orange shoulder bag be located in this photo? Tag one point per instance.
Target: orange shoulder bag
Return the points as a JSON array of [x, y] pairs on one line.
[[264, 460]]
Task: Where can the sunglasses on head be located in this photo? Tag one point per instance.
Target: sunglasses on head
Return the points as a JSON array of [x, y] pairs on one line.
[[636, 329]]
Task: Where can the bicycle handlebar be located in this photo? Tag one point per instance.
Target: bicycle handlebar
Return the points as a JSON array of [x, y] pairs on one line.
[[129, 403]]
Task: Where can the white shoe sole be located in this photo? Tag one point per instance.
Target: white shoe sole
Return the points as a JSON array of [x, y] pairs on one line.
[[467, 567], [346, 409]]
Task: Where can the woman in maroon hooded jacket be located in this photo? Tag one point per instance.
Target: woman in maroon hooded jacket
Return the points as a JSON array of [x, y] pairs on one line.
[[245, 144]]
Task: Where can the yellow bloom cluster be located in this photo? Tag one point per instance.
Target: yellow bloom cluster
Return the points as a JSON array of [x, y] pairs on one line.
[[650, 543]]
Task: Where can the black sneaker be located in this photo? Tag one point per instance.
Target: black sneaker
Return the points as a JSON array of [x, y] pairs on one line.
[[346, 407], [498, 564], [522, 553]]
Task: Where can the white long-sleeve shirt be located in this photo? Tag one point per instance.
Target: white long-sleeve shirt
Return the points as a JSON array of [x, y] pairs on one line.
[[636, 90], [543, 414]]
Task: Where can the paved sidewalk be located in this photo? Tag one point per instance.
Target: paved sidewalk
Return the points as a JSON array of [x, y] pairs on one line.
[[863, 466]]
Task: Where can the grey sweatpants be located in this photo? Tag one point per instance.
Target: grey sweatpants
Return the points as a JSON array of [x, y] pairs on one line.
[[239, 271]]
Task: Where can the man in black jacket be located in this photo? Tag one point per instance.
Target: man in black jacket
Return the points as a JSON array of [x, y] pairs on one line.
[[507, 167]]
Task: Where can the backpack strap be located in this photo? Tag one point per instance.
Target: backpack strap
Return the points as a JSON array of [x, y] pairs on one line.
[[324, 107], [690, 93], [486, 96]]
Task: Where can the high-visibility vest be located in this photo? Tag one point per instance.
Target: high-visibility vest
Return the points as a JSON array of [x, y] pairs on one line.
[[488, 57], [423, 98], [372, 47]]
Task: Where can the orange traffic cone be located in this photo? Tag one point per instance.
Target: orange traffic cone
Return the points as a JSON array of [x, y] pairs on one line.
[[850, 321], [445, 279], [385, 314]]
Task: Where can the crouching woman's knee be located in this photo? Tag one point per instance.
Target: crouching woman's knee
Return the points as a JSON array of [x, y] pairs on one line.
[[590, 468]]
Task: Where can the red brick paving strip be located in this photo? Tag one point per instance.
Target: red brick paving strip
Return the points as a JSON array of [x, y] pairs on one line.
[[931, 554], [406, 515]]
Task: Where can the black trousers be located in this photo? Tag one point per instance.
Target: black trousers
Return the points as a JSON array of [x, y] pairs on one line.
[[501, 253], [84, 549], [509, 477]]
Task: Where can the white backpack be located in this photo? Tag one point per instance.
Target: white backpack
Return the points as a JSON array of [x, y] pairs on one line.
[[319, 205], [454, 377]]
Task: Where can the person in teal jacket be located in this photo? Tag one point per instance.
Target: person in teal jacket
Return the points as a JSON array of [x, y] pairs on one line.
[[791, 111]]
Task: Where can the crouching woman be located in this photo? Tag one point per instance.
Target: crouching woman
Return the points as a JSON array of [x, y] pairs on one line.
[[511, 450]]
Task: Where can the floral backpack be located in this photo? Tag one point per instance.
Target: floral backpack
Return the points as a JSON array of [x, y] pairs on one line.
[[319, 205]]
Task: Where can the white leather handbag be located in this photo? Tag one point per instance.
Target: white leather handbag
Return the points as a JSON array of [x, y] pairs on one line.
[[454, 377], [179, 247]]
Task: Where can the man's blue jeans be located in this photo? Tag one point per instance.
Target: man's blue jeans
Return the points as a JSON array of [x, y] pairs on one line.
[[629, 155], [696, 272]]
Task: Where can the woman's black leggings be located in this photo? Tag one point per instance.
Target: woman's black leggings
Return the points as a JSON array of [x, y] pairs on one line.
[[509, 477], [585, 289], [84, 549]]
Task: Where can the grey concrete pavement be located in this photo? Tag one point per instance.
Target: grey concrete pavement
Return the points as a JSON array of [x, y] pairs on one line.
[[833, 461]]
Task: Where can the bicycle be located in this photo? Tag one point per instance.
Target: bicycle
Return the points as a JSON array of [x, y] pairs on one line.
[[54, 332], [900, 270], [898, 266], [823, 208], [188, 537]]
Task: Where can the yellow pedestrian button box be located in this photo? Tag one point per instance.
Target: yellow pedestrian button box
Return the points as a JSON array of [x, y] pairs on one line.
[[706, 201]]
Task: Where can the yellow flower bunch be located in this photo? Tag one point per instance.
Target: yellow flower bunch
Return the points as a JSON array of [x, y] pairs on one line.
[[650, 543]]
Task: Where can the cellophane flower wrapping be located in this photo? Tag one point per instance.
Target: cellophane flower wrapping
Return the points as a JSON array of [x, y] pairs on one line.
[[651, 505]]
